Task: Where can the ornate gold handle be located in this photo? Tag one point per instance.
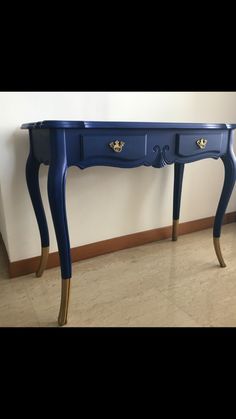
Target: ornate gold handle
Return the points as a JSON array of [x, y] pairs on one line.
[[117, 146], [202, 143]]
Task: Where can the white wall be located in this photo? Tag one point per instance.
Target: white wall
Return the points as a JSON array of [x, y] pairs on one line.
[[105, 202]]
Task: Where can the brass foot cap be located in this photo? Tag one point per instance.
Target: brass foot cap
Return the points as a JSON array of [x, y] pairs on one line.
[[62, 322], [43, 262], [65, 295], [216, 241], [175, 230]]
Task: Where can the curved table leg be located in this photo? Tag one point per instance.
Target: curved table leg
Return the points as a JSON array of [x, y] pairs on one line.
[[32, 178], [178, 182], [56, 194], [229, 161]]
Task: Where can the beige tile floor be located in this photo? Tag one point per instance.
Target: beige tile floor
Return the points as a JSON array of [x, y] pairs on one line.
[[162, 284]]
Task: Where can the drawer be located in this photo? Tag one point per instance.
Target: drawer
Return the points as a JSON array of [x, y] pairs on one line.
[[115, 147], [188, 145]]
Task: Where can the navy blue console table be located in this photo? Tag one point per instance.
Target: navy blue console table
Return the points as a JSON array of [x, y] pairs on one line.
[[61, 144]]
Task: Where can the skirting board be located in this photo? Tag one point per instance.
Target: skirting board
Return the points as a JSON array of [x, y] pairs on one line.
[[28, 266]]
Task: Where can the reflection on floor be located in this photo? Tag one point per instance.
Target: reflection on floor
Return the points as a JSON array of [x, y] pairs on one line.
[[162, 284]]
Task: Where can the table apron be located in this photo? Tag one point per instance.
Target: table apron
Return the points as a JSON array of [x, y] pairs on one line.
[[128, 148]]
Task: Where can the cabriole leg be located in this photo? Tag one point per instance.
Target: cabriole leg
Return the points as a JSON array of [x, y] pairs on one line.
[[229, 182], [178, 182], [32, 178], [56, 194]]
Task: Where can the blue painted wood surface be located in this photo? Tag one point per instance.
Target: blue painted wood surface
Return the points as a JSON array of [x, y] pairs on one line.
[[121, 125], [61, 144]]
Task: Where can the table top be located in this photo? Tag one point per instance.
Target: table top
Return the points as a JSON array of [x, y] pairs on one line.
[[54, 124]]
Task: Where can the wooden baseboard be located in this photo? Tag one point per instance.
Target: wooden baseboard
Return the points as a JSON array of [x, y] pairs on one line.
[[28, 266]]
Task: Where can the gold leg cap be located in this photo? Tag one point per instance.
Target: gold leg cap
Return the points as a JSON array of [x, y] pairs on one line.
[[216, 241], [43, 261], [175, 230], [65, 295]]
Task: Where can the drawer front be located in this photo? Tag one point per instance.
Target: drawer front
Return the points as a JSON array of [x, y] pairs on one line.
[[188, 145], [114, 147]]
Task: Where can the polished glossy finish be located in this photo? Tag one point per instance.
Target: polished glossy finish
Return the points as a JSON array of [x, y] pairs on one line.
[[61, 144], [217, 247], [117, 146], [65, 296], [43, 261], [175, 229], [121, 125], [202, 143], [160, 284]]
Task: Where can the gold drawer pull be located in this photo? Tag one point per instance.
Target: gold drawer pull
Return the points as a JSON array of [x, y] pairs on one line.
[[202, 143], [117, 146]]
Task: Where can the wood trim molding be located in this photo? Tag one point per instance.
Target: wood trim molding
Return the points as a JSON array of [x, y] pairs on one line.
[[28, 266]]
